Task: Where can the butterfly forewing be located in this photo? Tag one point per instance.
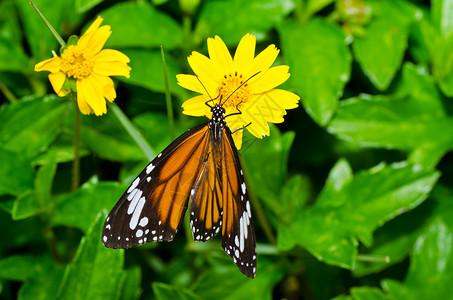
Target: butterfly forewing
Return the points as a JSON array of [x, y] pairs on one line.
[[152, 207]]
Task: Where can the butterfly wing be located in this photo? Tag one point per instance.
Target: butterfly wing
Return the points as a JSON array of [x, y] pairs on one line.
[[151, 209], [238, 233]]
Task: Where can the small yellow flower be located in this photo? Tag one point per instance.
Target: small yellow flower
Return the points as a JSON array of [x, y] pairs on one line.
[[88, 66], [244, 84]]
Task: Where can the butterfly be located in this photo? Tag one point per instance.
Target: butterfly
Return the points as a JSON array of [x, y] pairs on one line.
[[201, 167]]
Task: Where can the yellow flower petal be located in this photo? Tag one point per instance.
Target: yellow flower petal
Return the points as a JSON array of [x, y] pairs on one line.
[[262, 62], [95, 25], [191, 82], [108, 87], [205, 69], [107, 55], [243, 57], [93, 95], [219, 54], [52, 65], [197, 107], [113, 68], [270, 79], [82, 102], [96, 39], [57, 80], [237, 138]]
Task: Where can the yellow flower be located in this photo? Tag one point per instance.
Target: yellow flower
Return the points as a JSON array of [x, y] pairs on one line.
[[244, 84], [84, 67]]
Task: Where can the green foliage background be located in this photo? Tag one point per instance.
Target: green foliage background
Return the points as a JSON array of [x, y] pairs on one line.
[[359, 174]]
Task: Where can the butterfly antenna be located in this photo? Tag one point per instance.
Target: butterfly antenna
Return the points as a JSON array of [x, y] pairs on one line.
[[239, 87], [210, 98]]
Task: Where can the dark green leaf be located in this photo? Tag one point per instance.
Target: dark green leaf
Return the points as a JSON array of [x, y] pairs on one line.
[[368, 293], [167, 292], [266, 163], [415, 119], [147, 70], [85, 5], [131, 287], [214, 283], [12, 56], [107, 138], [30, 125], [96, 272], [139, 24], [233, 19], [79, 209], [22, 267], [16, 173], [330, 230], [320, 65], [381, 50]]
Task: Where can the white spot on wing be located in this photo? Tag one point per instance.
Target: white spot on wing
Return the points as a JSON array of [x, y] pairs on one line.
[[134, 202], [148, 178], [104, 238], [143, 221], [247, 205], [241, 234], [133, 185], [138, 210], [139, 233], [243, 187], [149, 168]]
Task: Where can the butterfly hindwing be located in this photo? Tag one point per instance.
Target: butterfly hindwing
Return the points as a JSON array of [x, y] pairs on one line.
[[238, 233], [151, 209]]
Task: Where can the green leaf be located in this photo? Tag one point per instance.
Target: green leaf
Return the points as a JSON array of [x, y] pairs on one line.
[[44, 283], [233, 19], [431, 268], [330, 230], [368, 293], [339, 176], [147, 70], [107, 138], [167, 292], [82, 6], [29, 126], [22, 267], [39, 200], [139, 24], [16, 173], [266, 164], [415, 118], [380, 51], [442, 16], [79, 209], [238, 286], [320, 65], [12, 56], [131, 286], [96, 272]]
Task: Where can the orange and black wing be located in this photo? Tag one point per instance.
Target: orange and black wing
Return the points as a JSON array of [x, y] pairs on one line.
[[238, 233], [153, 206]]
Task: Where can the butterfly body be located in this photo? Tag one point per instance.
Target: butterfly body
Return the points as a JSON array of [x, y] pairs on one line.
[[201, 167]]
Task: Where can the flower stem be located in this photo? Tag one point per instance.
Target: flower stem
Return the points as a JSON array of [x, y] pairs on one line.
[[133, 132], [171, 122], [373, 258], [75, 181], [7, 92], [55, 33]]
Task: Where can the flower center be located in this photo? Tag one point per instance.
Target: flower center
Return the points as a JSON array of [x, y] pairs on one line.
[[77, 62], [234, 89]]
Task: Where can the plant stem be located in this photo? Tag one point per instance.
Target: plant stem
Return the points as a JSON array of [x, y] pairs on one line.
[[373, 258], [171, 122], [54, 32], [7, 92], [258, 209], [75, 174], [133, 132]]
